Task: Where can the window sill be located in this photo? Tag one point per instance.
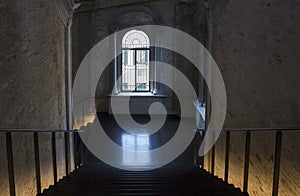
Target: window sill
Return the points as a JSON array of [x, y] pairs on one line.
[[136, 94]]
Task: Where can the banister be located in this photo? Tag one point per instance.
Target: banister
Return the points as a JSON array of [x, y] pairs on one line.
[[277, 160], [18, 130], [257, 129], [248, 131], [35, 132]]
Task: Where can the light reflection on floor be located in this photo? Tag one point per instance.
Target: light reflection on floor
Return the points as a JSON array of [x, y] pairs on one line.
[[136, 150]]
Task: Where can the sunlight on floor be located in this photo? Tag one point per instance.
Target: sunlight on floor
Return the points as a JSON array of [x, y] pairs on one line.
[[136, 150]]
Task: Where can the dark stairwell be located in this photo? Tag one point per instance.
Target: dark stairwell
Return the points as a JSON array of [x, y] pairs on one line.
[[180, 177], [99, 179]]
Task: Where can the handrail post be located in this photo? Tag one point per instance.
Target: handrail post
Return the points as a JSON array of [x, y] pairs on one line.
[[54, 157], [202, 134], [213, 152], [247, 160], [198, 160], [213, 160], [75, 147], [277, 163], [37, 162], [81, 153], [195, 149], [10, 164], [227, 155], [67, 152]]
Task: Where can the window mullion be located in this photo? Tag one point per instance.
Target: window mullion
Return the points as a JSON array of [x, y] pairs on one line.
[[135, 68]]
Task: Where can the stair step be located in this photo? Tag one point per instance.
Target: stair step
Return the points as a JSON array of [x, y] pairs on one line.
[[134, 192]]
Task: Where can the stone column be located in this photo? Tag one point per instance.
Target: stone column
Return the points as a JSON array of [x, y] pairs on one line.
[[116, 89]]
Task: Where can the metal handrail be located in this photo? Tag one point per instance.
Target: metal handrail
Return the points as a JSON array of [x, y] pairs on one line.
[[258, 129], [18, 130], [277, 159], [35, 132], [9, 147], [11, 130]]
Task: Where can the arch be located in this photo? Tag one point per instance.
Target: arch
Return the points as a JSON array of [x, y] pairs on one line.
[[134, 16], [135, 66], [135, 39]]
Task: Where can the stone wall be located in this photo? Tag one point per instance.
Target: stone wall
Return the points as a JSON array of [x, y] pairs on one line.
[[32, 91], [256, 48], [90, 28]]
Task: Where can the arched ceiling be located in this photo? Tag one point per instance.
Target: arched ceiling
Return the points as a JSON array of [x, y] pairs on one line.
[[66, 8]]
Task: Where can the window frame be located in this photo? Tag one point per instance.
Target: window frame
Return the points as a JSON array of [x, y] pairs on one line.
[[139, 47], [135, 67]]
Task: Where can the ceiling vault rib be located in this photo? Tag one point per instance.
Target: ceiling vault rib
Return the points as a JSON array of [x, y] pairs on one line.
[[65, 9], [116, 6]]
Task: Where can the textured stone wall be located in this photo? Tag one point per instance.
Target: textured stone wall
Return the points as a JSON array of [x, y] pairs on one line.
[[32, 89], [256, 48], [91, 27]]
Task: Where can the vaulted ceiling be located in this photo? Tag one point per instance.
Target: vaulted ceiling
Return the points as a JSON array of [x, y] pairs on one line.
[[66, 8]]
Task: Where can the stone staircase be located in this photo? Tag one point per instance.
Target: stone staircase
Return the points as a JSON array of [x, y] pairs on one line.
[[100, 179], [180, 177]]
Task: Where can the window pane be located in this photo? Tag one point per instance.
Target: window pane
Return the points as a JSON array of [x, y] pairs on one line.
[[128, 70], [142, 68]]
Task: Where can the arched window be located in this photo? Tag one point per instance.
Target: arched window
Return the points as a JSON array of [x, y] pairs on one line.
[[135, 61]]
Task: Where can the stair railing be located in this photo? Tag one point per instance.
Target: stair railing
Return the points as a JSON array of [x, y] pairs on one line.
[[35, 132], [249, 131]]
